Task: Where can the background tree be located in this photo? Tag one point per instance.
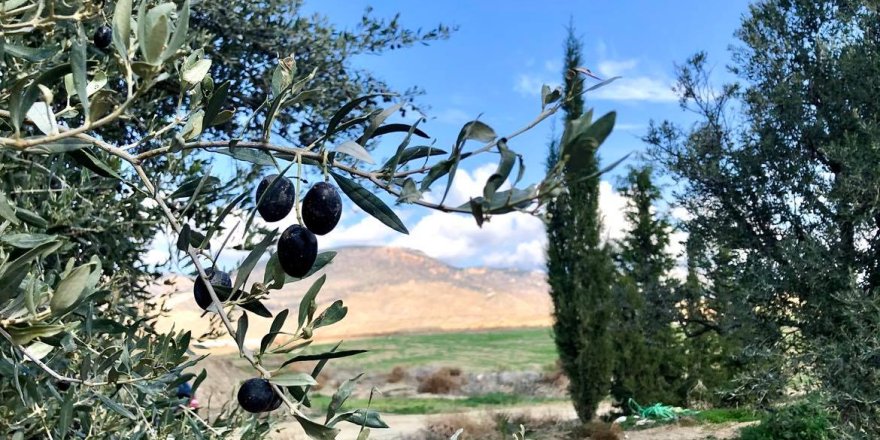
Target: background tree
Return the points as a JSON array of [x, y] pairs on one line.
[[788, 185], [579, 267], [650, 356], [708, 320]]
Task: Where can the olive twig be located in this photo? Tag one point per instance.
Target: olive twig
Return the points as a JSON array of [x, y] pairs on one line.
[[296, 205]]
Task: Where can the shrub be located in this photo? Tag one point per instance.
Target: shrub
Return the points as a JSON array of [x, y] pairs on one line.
[[443, 381], [598, 431], [397, 374], [808, 419]]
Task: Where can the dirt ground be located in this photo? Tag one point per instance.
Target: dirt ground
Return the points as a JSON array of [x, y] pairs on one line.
[[406, 427]]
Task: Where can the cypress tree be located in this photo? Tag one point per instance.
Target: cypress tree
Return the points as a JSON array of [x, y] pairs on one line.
[[649, 365], [579, 266]]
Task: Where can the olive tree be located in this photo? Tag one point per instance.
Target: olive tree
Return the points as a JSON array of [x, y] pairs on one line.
[[780, 173], [80, 354]]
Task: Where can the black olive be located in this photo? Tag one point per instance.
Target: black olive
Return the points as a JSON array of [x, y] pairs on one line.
[[321, 208], [276, 202], [256, 395], [297, 251], [200, 290], [103, 37]]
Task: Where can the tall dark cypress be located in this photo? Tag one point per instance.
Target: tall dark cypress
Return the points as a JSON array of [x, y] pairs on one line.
[[579, 266]]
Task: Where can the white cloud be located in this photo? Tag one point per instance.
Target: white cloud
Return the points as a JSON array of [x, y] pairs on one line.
[[609, 68], [554, 66], [457, 239], [633, 85], [453, 116], [529, 254], [366, 231], [640, 88], [528, 84], [629, 127], [612, 205]]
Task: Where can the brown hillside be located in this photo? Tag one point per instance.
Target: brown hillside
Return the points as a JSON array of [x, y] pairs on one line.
[[391, 290]]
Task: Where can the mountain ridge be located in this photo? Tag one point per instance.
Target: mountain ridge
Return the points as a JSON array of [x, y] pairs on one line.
[[392, 290]]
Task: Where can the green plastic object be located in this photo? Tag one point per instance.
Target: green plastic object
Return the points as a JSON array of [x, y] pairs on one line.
[[659, 411]]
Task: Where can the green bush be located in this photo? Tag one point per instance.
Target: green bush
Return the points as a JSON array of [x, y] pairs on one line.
[[808, 419]]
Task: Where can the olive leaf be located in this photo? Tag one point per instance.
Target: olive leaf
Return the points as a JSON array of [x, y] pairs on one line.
[[23, 335], [409, 193], [43, 117], [602, 84], [293, 379], [180, 31], [274, 330], [154, 30], [27, 241], [322, 356], [21, 98], [215, 103], [392, 163], [340, 396], [344, 111], [371, 204], [355, 150], [377, 121], [7, 211], [122, 27], [247, 266], [90, 161], [69, 289], [363, 417], [399, 128], [33, 54], [549, 96], [59, 146], [194, 125], [78, 67], [117, 408], [25, 258], [473, 130], [195, 73], [579, 147], [257, 308], [316, 431], [241, 330], [307, 304], [505, 166]]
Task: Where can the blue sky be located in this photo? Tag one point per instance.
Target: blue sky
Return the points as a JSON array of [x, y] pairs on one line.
[[494, 66]]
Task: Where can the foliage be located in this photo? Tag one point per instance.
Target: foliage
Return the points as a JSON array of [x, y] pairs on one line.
[[728, 415], [714, 333], [579, 267], [649, 363], [786, 183], [807, 419], [102, 146]]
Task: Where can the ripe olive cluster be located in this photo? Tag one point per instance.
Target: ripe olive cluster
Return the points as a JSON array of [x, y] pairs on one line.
[[297, 251], [321, 209]]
